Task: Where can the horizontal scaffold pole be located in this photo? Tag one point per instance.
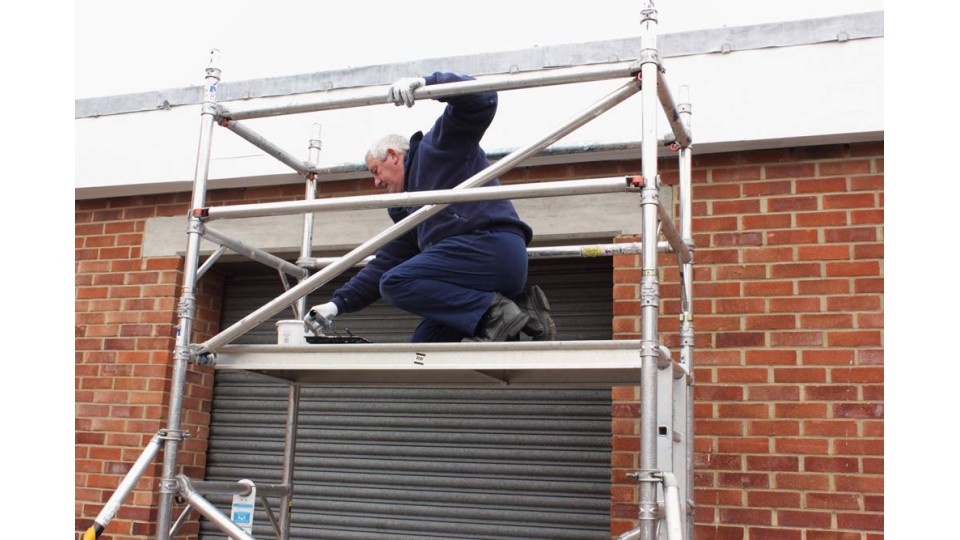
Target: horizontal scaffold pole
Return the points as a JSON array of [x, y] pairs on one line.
[[420, 198], [548, 252], [378, 95], [319, 279]]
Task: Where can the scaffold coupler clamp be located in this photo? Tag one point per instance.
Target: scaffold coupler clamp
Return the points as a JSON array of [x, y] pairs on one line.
[[191, 354], [306, 262], [649, 511], [647, 475], [170, 485]]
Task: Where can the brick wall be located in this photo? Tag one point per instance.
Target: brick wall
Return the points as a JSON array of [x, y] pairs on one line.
[[788, 304]]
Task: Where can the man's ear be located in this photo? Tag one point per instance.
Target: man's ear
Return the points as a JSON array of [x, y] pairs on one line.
[[392, 153]]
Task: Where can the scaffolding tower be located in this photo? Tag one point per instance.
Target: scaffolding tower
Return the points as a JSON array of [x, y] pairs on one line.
[[666, 383]]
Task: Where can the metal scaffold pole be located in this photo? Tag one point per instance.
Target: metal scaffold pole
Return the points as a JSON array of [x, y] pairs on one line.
[[649, 285], [686, 300], [187, 308]]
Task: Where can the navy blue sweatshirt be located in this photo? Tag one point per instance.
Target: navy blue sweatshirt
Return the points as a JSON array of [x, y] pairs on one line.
[[444, 157]]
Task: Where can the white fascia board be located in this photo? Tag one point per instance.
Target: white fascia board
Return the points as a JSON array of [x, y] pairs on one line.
[[772, 97]]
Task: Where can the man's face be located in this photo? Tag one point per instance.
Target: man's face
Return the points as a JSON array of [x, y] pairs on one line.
[[388, 172]]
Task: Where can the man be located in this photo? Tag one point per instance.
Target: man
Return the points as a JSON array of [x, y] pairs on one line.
[[461, 268]]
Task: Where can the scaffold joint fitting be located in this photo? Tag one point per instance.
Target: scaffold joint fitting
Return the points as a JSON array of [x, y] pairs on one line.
[[173, 434]]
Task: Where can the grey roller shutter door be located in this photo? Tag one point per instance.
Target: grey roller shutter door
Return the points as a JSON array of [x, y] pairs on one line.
[[491, 463]]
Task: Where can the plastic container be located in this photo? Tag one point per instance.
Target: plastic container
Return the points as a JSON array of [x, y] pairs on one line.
[[291, 332]]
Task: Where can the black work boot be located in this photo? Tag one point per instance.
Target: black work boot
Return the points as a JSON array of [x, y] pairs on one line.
[[534, 303], [503, 320]]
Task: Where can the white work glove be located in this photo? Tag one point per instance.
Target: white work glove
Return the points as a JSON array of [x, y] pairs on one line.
[[401, 93], [320, 317]]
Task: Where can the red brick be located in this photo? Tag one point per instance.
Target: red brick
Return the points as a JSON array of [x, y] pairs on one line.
[[867, 217], [746, 516], [830, 428], [827, 320], [773, 499], [740, 206], [770, 322], [854, 303], [854, 338], [768, 254], [850, 200], [741, 339], [737, 239], [792, 204], [823, 253], [753, 410], [802, 481], [859, 447], [717, 358], [743, 445], [800, 410], [868, 285], [822, 219], [768, 288], [766, 189], [796, 339], [792, 170], [799, 374], [824, 286], [796, 270], [860, 521], [718, 393], [762, 221], [830, 393], [830, 464], [773, 463], [713, 224], [798, 236], [802, 446], [771, 357], [845, 167], [735, 174], [745, 480], [822, 185], [857, 374], [776, 533], [859, 483], [803, 518], [773, 393], [717, 532], [728, 428], [754, 271], [772, 428], [858, 268]]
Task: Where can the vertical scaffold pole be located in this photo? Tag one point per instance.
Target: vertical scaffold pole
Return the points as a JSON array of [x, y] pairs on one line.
[[289, 457], [311, 194], [649, 286], [186, 310], [686, 299]]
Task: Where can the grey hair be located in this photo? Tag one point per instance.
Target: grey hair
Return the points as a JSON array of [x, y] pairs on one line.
[[379, 149]]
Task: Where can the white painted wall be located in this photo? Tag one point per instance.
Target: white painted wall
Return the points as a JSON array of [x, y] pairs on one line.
[[828, 92]]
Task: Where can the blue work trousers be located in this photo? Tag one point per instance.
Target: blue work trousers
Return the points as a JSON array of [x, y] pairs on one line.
[[453, 282]]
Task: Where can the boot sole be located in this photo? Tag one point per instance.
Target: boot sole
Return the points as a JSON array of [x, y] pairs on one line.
[[541, 305]]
